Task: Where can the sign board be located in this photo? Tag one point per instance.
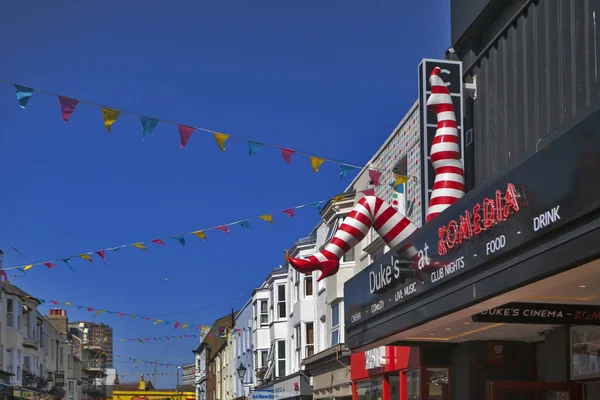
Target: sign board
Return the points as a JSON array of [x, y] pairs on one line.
[[451, 73], [261, 394], [60, 378], [375, 358], [544, 206], [542, 314]]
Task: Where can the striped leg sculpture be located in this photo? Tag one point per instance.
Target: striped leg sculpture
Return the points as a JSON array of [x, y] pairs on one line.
[[392, 226]]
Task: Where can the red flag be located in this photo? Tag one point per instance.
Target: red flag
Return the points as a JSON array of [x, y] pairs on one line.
[[147, 339], [224, 229], [158, 241], [148, 318], [54, 302], [67, 107], [185, 133], [287, 154], [374, 176], [177, 325], [102, 255], [120, 314], [197, 327], [290, 212], [369, 192], [90, 309], [49, 264]]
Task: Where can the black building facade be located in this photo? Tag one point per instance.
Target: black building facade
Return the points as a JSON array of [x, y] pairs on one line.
[[509, 300]]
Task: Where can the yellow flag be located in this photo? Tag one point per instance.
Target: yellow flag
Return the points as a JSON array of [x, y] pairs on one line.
[[184, 326], [110, 117], [99, 312], [133, 316], [338, 198], [86, 257], [267, 217], [28, 267], [221, 138], [121, 340], [158, 321], [400, 179], [141, 341], [316, 162], [105, 339], [139, 246], [200, 234], [66, 303]]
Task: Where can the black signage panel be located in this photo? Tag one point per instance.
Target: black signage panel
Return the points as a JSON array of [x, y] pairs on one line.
[[554, 187], [451, 73], [541, 314]]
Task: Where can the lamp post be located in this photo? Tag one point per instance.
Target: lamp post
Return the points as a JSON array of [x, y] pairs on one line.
[[241, 371]]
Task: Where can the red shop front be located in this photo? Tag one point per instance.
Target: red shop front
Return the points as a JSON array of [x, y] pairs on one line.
[[401, 373]]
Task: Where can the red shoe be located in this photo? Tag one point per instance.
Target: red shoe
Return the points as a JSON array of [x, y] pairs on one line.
[[327, 268]]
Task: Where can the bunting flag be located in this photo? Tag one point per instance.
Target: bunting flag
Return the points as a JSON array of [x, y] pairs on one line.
[[316, 162], [185, 133], [201, 234], [110, 116], [23, 95], [99, 312], [375, 176], [148, 124], [67, 107], [400, 179], [66, 261]]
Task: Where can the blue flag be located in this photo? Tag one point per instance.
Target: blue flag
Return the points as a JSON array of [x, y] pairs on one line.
[[345, 170], [148, 124], [23, 95], [254, 147], [316, 205], [180, 239], [66, 261], [245, 224]]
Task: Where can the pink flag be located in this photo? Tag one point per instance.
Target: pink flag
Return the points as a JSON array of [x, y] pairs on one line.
[[121, 314], [224, 229], [102, 255], [177, 324], [375, 176], [290, 212], [49, 264], [158, 241], [197, 327], [54, 302], [148, 318], [147, 339], [168, 338], [67, 107], [90, 309], [287, 154], [369, 192], [185, 132]]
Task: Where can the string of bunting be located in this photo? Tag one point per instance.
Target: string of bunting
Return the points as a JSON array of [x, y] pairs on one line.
[[376, 180], [204, 329], [110, 115], [147, 373], [139, 361]]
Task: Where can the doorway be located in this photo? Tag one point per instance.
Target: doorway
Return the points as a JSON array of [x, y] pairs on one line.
[[527, 390]]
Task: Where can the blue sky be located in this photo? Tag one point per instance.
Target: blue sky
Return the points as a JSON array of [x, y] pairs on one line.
[[331, 78]]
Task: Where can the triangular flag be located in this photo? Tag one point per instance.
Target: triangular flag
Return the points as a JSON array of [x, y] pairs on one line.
[[121, 314], [185, 133], [66, 261], [102, 255], [177, 325], [200, 234], [290, 212], [23, 95], [158, 321], [148, 124], [254, 147], [54, 302], [267, 217], [99, 312], [224, 229], [67, 107], [221, 138], [167, 323], [140, 340], [49, 264], [375, 176], [86, 257], [316, 162], [338, 198], [28, 267], [184, 326], [140, 246], [245, 224], [66, 303], [316, 205], [345, 170], [159, 241], [400, 179], [287, 154], [369, 192], [110, 117], [90, 309], [180, 239]]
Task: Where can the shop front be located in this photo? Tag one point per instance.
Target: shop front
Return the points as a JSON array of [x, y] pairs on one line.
[[330, 372], [401, 373], [295, 386], [505, 281]]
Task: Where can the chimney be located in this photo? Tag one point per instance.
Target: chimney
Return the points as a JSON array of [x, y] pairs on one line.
[[58, 319]]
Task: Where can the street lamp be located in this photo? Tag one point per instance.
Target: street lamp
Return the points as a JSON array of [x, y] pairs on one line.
[[241, 373]]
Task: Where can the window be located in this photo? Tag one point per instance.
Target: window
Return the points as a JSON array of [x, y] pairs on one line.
[[71, 390], [264, 354], [308, 286], [281, 312], [412, 385], [27, 363], [10, 314], [298, 340], [335, 324], [9, 361], [280, 358], [60, 356], [349, 256], [310, 339], [19, 313], [19, 365], [28, 326], [1, 356], [264, 313], [438, 384]]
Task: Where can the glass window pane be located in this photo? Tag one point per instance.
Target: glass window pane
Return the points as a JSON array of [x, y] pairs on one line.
[[394, 382], [412, 385], [335, 315], [335, 337], [369, 390], [438, 384]]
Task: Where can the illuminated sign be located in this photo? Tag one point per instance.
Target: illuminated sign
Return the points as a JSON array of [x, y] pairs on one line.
[[480, 218]]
